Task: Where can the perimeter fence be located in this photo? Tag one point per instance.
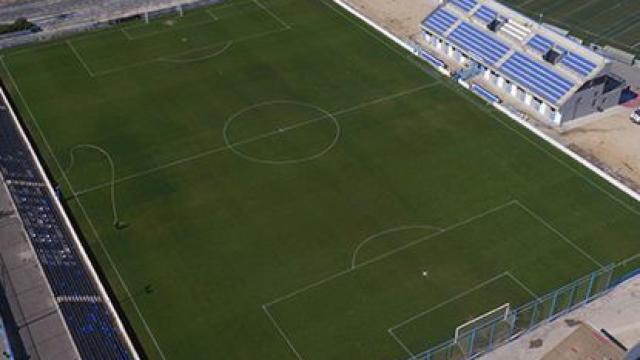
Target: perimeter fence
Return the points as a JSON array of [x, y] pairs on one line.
[[489, 335]]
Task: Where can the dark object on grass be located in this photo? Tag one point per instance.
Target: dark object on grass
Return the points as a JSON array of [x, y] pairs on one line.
[[120, 225]]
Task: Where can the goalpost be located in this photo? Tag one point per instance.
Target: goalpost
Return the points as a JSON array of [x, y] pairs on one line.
[[150, 14], [484, 330]]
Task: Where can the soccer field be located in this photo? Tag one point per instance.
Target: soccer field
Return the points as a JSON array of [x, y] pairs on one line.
[[289, 185], [607, 22]]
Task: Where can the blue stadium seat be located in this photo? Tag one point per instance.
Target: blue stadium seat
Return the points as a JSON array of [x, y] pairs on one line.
[[485, 14], [540, 79], [440, 21], [431, 59], [473, 40], [577, 63], [466, 5], [485, 93], [90, 324], [540, 43]]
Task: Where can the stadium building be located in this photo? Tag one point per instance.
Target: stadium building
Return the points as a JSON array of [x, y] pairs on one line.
[[537, 67]]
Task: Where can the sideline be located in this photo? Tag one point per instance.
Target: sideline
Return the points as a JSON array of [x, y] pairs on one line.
[[610, 179]]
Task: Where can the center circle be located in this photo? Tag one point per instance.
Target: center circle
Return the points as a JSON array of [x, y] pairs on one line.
[[281, 132]]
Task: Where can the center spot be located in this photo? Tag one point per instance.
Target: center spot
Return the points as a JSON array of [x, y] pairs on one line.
[[281, 132]]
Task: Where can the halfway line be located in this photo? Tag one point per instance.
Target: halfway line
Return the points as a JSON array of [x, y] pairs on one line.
[[255, 138]]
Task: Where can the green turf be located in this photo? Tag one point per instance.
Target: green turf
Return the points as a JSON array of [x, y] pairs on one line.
[[253, 214], [607, 22]]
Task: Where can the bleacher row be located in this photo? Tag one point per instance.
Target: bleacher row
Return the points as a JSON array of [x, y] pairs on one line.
[[89, 322], [538, 77]]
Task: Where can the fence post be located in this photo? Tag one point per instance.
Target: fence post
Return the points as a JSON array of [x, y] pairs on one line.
[[609, 276], [472, 339], [590, 287], [493, 330], [572, 296], [553, 304], [534, 314]]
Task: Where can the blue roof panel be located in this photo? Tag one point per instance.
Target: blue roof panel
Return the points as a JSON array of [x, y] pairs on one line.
[[440, 21], [540, 79], [465, 5], [577, 63], [472, 40], [486, 14], [540, 43]]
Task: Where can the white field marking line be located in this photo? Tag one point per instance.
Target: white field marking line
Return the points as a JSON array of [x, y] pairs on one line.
[[625, 30], [560, 234], [281, 332], [213, 16], [351, 269], [145, 62], [498, 118], [406, 56], [202, 58], [507, 125], [620, 26], [390, 252], [93, 34], [259, 137], [77, 54], [388, 231], [126, 33], [579, 27], [173, 28], [326, 115], [402, 344], [116, 218], [84, 212], [585, 5], [629, 259], [448, 301], [522, 285], [272, 14]]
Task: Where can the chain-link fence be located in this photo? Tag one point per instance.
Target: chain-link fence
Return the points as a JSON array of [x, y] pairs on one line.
[[487, 336]]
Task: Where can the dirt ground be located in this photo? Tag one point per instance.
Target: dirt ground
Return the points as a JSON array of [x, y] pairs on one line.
[[610, 140], [401, 17]]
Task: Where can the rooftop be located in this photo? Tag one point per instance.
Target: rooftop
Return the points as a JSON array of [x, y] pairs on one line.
[[540, 57]]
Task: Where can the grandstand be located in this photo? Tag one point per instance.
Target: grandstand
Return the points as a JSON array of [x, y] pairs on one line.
[[536, 66], [52, 290]]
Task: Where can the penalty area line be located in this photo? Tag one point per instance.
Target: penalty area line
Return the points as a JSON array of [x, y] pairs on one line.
[[281, 332], [77, 55], [380, 257]]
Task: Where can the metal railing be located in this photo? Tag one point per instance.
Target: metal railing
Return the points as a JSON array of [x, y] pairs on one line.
[[487, 336]]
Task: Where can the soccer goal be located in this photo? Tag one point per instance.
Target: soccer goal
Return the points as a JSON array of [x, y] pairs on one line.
[[481, 332]]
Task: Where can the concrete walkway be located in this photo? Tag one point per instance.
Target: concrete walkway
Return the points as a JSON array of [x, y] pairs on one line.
[[618, 312]]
